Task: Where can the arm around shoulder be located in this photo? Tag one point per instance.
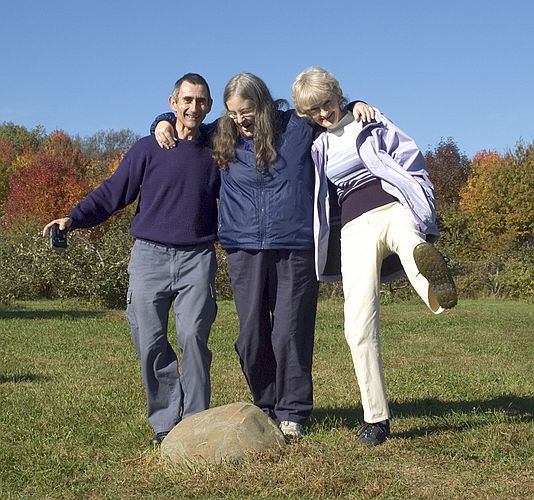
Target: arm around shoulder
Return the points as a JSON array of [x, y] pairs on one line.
[[163, 129]]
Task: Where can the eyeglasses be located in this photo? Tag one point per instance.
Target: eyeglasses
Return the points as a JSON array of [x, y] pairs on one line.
[[324, 106], [244, 113]]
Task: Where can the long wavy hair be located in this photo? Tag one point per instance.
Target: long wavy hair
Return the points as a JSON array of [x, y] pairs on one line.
[[248, 86]]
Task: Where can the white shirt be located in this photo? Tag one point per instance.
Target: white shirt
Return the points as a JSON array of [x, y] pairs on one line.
[[344, 168]]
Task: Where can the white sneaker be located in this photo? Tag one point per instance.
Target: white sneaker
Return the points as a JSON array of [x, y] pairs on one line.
[[291, 430]]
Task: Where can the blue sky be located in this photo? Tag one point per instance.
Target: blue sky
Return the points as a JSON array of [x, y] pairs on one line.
[[457, 68]]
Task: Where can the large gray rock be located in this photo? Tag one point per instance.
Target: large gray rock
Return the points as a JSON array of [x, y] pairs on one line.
[[222, 434]]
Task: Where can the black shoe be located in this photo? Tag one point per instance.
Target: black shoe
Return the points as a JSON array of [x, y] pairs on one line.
[[374, 434], [158, 438], [433, 267]]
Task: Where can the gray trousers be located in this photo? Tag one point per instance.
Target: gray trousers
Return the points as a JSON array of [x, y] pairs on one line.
[[161, 277]]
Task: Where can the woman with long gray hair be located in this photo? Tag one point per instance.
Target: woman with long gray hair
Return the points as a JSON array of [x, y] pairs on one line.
[[265, 226]]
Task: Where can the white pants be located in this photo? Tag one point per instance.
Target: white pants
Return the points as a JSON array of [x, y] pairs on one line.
[[365, 242]]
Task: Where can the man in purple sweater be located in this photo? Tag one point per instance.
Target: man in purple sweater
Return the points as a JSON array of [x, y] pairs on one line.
[[173, 259]]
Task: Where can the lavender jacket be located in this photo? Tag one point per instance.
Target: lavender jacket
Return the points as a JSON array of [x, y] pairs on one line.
[[392, 156]]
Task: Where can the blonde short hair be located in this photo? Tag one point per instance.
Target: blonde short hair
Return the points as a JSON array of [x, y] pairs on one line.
[[312, 86]]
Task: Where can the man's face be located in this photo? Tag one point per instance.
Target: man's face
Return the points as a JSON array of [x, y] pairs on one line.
[[191, 105]]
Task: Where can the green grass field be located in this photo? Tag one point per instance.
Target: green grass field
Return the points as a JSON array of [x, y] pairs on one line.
[[461, 387]]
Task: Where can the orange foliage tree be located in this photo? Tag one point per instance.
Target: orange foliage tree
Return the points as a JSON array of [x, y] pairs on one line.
[[14, 140], [498, 199], [48, 182], [100, 170], [8, 154], [105, 149], [57, 146]]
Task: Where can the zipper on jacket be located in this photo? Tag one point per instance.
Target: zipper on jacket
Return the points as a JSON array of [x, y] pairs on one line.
[[262, 211]]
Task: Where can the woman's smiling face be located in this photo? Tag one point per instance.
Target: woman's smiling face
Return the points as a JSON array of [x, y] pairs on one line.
[[327, 112], [243, 112]]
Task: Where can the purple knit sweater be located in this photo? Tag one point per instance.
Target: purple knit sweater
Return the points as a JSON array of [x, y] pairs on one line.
[[177, 190]]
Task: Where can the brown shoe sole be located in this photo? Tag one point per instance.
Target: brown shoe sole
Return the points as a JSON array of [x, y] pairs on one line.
[[433, 267]]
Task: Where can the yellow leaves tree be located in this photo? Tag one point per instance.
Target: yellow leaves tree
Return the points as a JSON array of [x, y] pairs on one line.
[[498, 199]]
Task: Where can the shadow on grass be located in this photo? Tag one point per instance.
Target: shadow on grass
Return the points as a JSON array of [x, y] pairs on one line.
[[22, 377], [518, 407], [50, 314]]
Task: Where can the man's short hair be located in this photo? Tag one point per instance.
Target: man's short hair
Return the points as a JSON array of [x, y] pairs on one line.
[[193, 78]]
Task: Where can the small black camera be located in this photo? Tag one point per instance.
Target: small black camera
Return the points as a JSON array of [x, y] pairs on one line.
[[58, 238]]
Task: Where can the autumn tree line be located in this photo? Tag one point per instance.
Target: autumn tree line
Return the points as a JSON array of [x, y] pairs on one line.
[[485, 214]]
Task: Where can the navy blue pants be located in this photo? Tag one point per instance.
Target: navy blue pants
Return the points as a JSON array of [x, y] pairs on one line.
[[275, 293]]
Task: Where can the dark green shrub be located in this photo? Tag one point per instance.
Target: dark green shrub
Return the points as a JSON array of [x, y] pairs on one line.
[[110, 253], [516, 279], [21, 252], [95, 266]]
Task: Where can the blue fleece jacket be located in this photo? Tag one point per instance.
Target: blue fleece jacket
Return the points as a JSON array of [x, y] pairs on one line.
[[274, 210]]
